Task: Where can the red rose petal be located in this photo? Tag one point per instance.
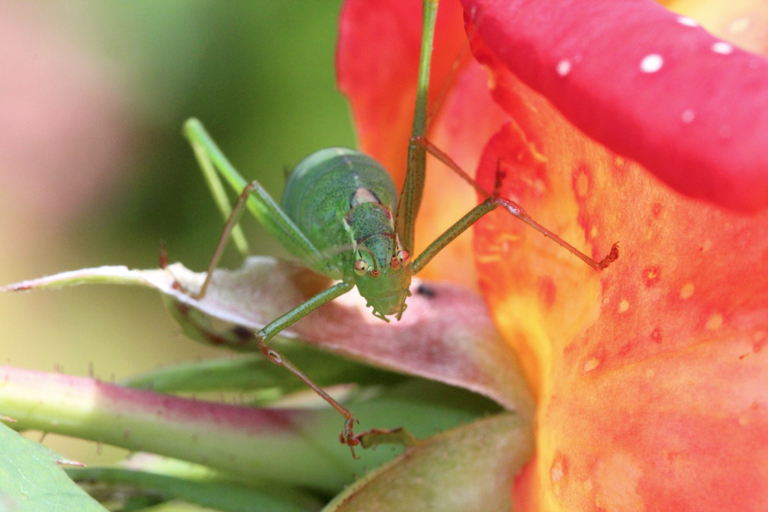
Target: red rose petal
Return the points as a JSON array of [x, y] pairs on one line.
[[377, 61], [647, 83]]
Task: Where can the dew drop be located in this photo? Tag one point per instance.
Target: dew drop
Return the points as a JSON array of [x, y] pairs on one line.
[[688, 116], [556, 472], [739, 25], [651, 63], [564, 67], [591, 364], [688, 22], [714, 322], [722, 48]]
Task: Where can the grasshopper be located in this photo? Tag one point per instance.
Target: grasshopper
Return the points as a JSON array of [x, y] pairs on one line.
[[341, 216]]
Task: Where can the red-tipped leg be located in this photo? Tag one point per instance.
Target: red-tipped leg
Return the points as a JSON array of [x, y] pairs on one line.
[[348, 437]]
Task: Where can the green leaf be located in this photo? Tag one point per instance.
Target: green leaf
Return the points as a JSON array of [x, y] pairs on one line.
[[31, 480], [255, 372], [467, 468], [227, 497]]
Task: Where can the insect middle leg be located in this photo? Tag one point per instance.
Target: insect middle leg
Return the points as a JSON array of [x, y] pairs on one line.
[[256, 199]]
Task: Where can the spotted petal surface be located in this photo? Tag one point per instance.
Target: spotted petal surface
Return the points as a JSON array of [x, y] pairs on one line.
[[650, 376]]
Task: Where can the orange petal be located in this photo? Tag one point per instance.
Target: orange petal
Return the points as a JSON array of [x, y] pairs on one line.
[[650, 376]]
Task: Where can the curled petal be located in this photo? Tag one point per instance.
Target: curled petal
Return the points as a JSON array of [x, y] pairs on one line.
[[648, 84]]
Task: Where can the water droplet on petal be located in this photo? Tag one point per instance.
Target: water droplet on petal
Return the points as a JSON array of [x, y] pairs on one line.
[[556, 472], [722, 47], [591, 364], [688, 22], [623, 306], [651, 63], [739, 25], [714, 322], [563, 67], [687, 116], [686, 292]]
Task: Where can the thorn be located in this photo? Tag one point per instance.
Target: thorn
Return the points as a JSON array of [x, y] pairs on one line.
[[69, 462], [163, 255]]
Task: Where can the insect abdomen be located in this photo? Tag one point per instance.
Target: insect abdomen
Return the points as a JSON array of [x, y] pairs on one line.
[[321, 188]]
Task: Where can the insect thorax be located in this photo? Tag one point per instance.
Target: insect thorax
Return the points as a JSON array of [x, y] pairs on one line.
[[324, 188]]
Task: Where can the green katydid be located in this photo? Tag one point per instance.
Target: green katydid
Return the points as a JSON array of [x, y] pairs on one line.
[[336, 217]]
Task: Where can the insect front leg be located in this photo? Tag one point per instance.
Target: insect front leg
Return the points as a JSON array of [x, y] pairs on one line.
[[347, 436], [247, 342], [253, 196]]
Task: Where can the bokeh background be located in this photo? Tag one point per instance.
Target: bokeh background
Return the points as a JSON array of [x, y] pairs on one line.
[[94, 169]]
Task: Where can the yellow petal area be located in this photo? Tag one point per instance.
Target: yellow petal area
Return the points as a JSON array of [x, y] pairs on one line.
[[741, 22]]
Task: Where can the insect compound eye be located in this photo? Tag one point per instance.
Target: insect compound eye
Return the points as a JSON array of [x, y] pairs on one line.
[[394, 263], [361, 266], [404, 257]]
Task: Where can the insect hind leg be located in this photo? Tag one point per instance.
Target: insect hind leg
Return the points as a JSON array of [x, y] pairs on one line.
[[512, 207]]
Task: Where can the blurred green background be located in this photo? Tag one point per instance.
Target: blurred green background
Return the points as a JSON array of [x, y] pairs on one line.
[[95, 170]]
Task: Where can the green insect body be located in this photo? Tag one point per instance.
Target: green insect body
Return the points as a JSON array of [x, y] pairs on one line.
[[342, 200]]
